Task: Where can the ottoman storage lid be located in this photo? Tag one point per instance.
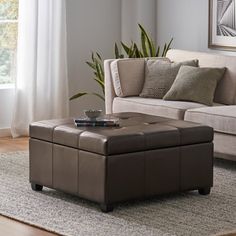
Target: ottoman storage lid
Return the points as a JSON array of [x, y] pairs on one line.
[[44, 129], [137, 132]]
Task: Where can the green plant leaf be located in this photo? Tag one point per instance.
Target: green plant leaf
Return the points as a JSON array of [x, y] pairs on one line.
[[101, 83], [126, 48], [136, 51], [98, 95], [117, 53], [168, 46], [131, 51], [99, 75], [98, 55], [158, 51], [144, 46], [92, 56], [152, 49], [164, 50], [141, 54], [102, 71], [99, 70], [90, 64], [78, 95]]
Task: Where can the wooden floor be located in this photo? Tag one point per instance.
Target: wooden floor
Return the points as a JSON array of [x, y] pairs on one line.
[[13, 145], [9, 227]]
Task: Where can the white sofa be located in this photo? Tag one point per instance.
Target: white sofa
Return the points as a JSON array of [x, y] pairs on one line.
[[221, 116]]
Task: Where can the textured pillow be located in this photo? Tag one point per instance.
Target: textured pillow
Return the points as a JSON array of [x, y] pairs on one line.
[[195, 84], [128, 76], [160, 75]]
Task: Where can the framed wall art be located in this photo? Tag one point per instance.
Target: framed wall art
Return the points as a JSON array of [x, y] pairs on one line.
[[222, 24]]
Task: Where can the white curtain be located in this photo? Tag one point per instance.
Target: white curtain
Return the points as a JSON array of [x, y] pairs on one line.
[[42, 82]]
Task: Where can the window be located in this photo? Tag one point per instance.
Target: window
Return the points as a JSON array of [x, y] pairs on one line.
[[8, 40]]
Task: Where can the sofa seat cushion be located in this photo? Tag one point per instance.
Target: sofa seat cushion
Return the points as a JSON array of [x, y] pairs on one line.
[[221, 118], [152, 106]]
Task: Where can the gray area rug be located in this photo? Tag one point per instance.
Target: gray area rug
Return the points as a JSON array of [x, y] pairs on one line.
[[178, 214]]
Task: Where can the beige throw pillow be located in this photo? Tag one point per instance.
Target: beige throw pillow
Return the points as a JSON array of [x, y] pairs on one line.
[[195, 85], [128, 76], [160, 75]]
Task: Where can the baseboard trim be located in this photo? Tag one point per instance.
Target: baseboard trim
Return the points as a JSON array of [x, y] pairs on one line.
[[225, 156], [5, 132]]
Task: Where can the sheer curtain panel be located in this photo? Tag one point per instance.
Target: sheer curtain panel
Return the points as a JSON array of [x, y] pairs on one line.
[[42, 82]]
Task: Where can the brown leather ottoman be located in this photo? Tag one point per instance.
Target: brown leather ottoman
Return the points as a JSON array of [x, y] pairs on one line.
[[145, 156]]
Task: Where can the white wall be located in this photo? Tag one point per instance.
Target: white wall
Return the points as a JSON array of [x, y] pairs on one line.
[[134, 12], [187, 22], [184, 20], [91, 26], [6, 107]]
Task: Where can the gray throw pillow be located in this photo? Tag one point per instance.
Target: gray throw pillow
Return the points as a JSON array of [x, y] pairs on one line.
[[195, 85], [160, 75]]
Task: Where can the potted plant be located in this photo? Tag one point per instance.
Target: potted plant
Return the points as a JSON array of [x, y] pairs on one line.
[[147, 49]]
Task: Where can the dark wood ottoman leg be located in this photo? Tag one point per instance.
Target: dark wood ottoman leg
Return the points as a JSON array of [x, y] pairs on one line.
[[36, 187], [204, 191], [106, 208]]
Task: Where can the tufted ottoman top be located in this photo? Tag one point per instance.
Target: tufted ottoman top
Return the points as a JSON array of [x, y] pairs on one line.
[[137, 132]]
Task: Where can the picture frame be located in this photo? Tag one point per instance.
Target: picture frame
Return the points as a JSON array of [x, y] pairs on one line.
[[222, 25]]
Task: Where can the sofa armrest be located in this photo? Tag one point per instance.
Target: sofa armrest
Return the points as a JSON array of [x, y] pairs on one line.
[[109, 89]]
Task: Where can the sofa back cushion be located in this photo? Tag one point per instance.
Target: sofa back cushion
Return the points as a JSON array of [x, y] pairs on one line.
[[226, 88], [128, 75]]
